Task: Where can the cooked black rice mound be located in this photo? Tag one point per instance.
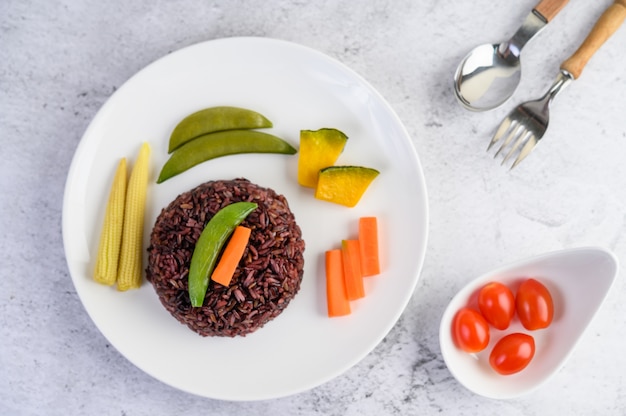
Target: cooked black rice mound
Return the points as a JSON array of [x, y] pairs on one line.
[[269, 273]]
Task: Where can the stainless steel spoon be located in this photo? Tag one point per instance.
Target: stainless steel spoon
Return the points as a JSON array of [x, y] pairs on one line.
[[489, 74]]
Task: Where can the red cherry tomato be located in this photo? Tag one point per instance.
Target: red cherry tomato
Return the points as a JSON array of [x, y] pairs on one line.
[[534, 305], [497, 304], [512, 353], [470, 330]]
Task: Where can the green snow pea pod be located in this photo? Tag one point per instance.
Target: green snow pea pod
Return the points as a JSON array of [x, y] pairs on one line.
[[210, 244], [215, 119], [222, 143]]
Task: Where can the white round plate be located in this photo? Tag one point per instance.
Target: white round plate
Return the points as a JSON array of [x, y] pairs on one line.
[[296, 88]]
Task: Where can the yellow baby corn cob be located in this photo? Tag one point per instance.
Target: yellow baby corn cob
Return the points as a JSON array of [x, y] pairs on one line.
[[111, 234], [130, 273]]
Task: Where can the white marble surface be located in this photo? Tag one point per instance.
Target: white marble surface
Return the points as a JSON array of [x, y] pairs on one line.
[[60, 60]]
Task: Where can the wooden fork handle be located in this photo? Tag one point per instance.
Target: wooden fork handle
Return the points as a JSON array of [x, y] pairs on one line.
[[549, 8], [607, 24]]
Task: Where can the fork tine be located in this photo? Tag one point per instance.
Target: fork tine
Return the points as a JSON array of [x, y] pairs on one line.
[[523, 135], [515, 131], [528, 147], [503, 128]]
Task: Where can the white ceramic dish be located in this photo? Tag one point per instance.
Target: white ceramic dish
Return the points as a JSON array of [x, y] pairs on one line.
[[578, 279], [297, 88]]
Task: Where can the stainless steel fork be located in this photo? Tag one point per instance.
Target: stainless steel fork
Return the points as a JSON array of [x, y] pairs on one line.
[[526, 125]]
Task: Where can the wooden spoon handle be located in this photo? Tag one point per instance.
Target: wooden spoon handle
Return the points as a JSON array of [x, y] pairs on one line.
[[549, 8], [606, 25]]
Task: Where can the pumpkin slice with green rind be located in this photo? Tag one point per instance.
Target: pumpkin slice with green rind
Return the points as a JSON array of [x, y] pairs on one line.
[[344, 185], [318, 149]]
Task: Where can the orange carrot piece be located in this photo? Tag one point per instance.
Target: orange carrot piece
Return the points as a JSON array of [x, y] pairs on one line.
[[231, 256], [368, 242], [336, 296], [350, 252]]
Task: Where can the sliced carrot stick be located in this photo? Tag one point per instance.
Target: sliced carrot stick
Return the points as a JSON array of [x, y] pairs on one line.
[[231, 256], [336, 296], [368, 242], [350, 253]]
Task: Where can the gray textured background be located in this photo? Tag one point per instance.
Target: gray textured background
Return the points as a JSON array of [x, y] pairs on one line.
[[59, 62]]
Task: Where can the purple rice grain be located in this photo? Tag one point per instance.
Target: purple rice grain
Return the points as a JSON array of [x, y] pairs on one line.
[[269, 273]]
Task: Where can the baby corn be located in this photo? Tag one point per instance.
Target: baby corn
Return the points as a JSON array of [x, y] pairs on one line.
[[111, 234], [130, 267]]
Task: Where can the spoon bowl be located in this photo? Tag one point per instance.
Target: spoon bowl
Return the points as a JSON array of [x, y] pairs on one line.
[[486, 78], [490, 74], [578, 279]]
